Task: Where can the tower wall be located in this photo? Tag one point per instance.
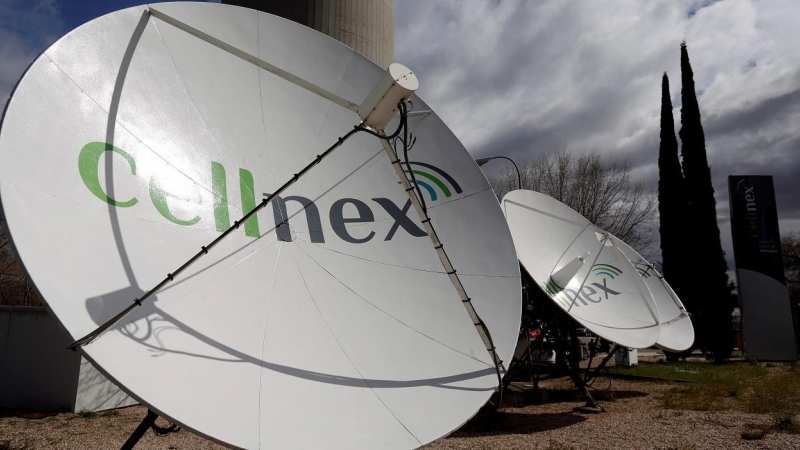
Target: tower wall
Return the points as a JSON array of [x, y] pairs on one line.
[[364, 25]]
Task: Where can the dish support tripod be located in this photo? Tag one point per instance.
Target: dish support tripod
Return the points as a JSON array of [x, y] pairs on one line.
[[148, 422], [562, 335]]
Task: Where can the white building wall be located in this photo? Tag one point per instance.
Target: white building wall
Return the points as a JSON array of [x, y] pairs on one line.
[[38, 372]]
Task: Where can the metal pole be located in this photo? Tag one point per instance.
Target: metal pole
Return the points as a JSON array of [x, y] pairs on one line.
[[482, 161], [519, 176], [137, 434]]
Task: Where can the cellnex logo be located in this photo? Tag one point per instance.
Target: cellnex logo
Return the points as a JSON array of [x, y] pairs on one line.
[[605, 272], [91, 153], [426, 180], [751, 214]]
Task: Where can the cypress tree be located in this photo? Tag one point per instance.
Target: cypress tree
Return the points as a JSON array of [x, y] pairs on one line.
[[672, 203], [706, 262]]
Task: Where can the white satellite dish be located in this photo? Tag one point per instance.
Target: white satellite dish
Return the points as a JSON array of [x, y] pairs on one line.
[[582, 269], [677, 332], [326, 319]]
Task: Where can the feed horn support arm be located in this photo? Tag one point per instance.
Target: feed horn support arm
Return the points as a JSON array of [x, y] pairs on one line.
[[480, 326]]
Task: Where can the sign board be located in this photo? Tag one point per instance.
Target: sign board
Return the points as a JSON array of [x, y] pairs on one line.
[[766, 312]]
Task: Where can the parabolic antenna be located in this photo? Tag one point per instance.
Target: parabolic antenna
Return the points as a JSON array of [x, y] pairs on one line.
[[326, 320], [677, 332], [582, 269]]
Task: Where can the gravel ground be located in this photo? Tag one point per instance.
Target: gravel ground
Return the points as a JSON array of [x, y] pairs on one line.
[[633, 421], [106, 430]]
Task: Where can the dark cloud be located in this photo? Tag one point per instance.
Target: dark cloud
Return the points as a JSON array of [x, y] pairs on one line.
[[28, 27], [520, 78], [696, 6]]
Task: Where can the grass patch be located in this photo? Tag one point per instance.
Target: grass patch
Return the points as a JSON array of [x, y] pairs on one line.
[[87, 414], [701, 372], [772, 389], [6, 445], [786, 424], [779, 424], [109, 413], [754, 435], [556, 446], [777, 394]]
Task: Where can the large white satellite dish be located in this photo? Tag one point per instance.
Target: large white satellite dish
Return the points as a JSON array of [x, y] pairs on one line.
[[582, 269], [325, 320], [677, 332]]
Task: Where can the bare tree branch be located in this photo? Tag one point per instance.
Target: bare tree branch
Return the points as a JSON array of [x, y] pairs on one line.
[[15, 289], [602, 191], [790, 247]]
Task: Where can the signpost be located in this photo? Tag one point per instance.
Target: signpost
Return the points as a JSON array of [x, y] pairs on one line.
[[766, 312]]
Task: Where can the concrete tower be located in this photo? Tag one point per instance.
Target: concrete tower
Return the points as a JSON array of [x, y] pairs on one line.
[[365, 25]]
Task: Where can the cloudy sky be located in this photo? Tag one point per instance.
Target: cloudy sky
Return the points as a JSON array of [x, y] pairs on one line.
[[518, 78]]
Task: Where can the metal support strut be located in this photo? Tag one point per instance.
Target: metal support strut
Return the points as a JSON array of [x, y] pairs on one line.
[[149, 421], [137, 302], [570, 348], [483, 331], [590, 374]]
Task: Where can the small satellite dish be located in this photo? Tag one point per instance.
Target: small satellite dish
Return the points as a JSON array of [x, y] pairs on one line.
[[677, 332], [324, 320], [582, 269]]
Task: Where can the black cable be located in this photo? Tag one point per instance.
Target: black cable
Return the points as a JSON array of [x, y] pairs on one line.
[[406, 147], [403, 126], [163, 431], [403, 120]]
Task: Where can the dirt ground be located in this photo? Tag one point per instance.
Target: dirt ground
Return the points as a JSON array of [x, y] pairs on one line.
[[634, 419]]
